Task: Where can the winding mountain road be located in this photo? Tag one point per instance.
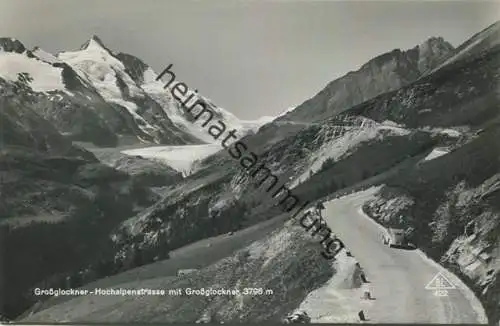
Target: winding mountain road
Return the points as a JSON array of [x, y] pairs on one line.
[[398, 277]]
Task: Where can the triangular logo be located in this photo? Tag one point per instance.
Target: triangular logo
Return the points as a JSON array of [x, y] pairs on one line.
[[440, 282]]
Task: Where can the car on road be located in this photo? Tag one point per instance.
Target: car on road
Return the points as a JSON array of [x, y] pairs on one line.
[[395, 237]]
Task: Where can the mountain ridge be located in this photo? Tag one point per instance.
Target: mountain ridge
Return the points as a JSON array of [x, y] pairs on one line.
[[112, 86], [396, 68]]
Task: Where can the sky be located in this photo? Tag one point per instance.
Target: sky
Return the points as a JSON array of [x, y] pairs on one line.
[[253, 58]]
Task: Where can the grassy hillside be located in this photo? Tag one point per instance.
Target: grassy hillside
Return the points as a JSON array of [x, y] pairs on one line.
[[287, 262]]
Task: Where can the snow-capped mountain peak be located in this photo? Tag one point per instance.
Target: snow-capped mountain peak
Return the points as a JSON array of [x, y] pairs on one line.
[[94, 41], [123, 85], [94, 63], [125, 80]]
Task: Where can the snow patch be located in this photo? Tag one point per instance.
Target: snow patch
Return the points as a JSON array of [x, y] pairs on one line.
[[354, 136], [254, 125], [45, 56], [179, 116], [436, 152], [172, 108], [451, 132], [180, 158], [45, 77], [290, 109]]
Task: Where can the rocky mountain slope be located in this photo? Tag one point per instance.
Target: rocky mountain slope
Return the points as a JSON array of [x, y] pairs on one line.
[[387, 72], [384, 73], [448, 204], [482, 41], [59, 199]]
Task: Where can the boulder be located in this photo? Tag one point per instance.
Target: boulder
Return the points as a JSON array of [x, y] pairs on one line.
[[299, 317]]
